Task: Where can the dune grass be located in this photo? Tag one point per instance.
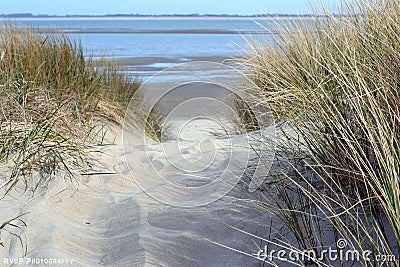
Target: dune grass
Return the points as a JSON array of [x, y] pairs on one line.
[[54, 102], [335, 84], [51, 97]]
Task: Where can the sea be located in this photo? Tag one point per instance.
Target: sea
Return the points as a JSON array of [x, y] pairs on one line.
[[184, 62], [147, 45]]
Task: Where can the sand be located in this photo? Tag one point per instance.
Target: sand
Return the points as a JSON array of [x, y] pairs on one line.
[[107, 220]]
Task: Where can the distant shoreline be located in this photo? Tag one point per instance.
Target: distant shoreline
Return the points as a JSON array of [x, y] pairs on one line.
[[151, 31], [150, 17]]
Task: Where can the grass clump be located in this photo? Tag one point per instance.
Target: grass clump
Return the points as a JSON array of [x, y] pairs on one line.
[[335, 83], [52, 98]]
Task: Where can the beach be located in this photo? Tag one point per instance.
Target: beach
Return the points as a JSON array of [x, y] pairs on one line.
[[107, 219], [177, 141]]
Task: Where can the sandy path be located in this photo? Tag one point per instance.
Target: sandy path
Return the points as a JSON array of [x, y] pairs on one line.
[[109, 221]]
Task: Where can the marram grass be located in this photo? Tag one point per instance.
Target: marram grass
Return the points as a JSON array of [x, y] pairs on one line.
[[335, 83], [55, 105], [53, 101], [51, 95]]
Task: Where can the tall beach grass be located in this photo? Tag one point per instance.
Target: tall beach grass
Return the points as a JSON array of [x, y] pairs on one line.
[[334, 84], [54, 102], [51, 97]]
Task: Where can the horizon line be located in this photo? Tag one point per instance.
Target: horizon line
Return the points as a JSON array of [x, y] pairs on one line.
[[30, 15]]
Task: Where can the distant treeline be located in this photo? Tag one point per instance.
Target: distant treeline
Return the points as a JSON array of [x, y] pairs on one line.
[[29, 15]]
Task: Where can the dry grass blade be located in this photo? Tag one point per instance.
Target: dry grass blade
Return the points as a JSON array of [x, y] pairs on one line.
[[52, 100], [336, 81]]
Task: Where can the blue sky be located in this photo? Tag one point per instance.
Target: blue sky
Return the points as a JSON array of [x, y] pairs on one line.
[[101, 7]]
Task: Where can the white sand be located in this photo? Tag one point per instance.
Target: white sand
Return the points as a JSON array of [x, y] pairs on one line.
[[107, 220]]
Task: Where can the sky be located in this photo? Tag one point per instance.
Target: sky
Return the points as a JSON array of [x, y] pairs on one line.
[[156, 7]]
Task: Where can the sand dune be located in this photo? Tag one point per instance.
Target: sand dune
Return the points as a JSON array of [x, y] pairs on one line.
[[107, 220]]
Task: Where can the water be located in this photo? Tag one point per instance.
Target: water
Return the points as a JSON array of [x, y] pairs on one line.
[[146, 46], [157, 43], [148, 23], [180, 46]]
